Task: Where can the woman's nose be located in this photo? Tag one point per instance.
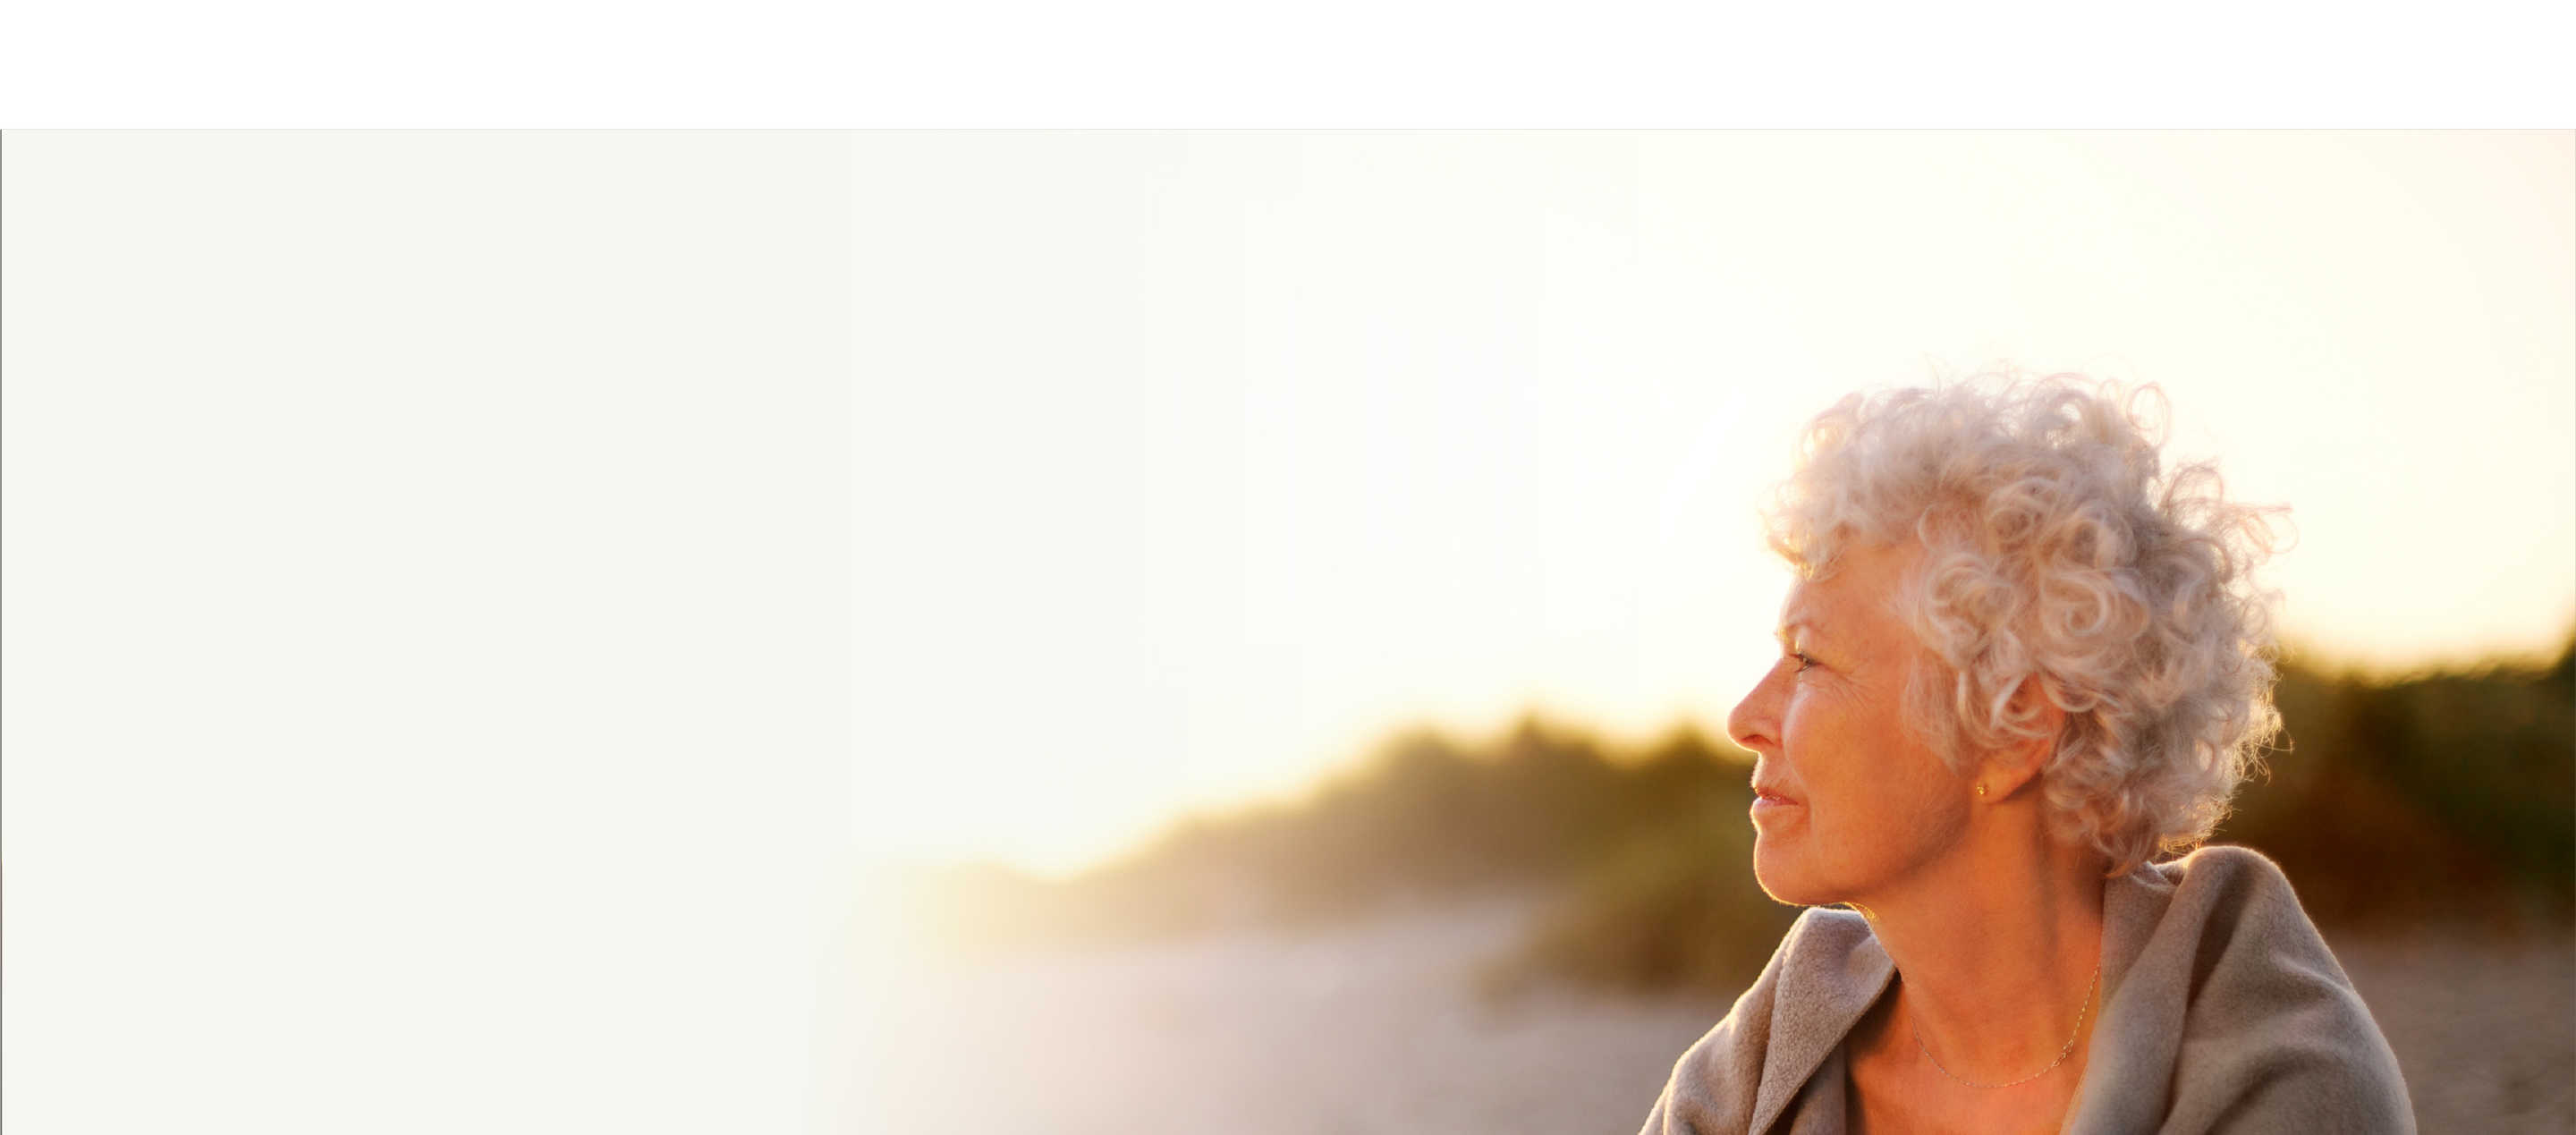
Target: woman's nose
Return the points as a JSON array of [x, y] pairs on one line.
[[1754, 723]]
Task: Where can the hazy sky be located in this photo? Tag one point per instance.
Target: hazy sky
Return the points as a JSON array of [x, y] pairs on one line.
[[1188, 465]]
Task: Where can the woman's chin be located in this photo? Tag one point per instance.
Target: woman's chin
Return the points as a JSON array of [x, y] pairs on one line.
[[1779, 876]]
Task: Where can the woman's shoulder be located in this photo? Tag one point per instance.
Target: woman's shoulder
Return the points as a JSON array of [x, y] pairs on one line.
[[2227, 983], [2248, 934], [2218, 904], [2226, 867]]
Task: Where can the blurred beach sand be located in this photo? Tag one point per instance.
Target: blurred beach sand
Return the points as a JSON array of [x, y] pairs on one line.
[[2484, 1029], [1377, 1026]]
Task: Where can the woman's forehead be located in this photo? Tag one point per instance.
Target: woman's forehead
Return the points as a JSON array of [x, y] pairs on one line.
[[1861, 586]]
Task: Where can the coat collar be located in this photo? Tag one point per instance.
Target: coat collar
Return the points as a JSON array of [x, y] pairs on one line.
[[2132, 907], [1836, 971]]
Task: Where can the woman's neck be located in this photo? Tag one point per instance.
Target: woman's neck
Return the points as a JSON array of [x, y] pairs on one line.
[[1996, 947]]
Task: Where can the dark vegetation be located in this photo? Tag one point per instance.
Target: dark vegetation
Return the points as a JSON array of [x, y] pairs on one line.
[[2449, 794], [2446, 796]]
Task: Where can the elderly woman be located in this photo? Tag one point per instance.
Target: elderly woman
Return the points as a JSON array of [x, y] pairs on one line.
[[2020, 669]]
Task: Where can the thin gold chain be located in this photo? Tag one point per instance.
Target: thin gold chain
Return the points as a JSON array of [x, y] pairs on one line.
[[2052, 1065]]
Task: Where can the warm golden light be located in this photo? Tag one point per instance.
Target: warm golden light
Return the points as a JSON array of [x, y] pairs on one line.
[[1193, 464]]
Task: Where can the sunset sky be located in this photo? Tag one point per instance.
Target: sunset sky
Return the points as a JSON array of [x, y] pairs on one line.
[[1188, 465]]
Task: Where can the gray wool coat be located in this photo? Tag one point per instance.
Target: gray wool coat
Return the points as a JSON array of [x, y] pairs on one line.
[[2222, 1011]]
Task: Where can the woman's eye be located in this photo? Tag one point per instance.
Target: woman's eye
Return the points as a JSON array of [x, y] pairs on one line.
[[1802, 660]]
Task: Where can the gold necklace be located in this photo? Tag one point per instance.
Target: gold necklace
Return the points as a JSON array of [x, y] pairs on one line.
[[2052, 1065]]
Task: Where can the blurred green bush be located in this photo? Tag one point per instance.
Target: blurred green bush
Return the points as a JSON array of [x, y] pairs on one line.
[[2439, 795]]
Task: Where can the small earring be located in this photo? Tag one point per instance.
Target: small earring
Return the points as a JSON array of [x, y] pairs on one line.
[[1981, 788]]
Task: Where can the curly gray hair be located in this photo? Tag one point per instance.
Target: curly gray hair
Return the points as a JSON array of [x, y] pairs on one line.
[[2058, 553]]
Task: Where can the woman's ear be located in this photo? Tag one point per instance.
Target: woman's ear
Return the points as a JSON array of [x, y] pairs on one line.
[[2036, 715]]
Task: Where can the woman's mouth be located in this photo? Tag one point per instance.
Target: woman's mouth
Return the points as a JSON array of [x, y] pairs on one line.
[[1771, 802]]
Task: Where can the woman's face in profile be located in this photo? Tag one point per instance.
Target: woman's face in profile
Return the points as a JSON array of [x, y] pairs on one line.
[[1850, 801]]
